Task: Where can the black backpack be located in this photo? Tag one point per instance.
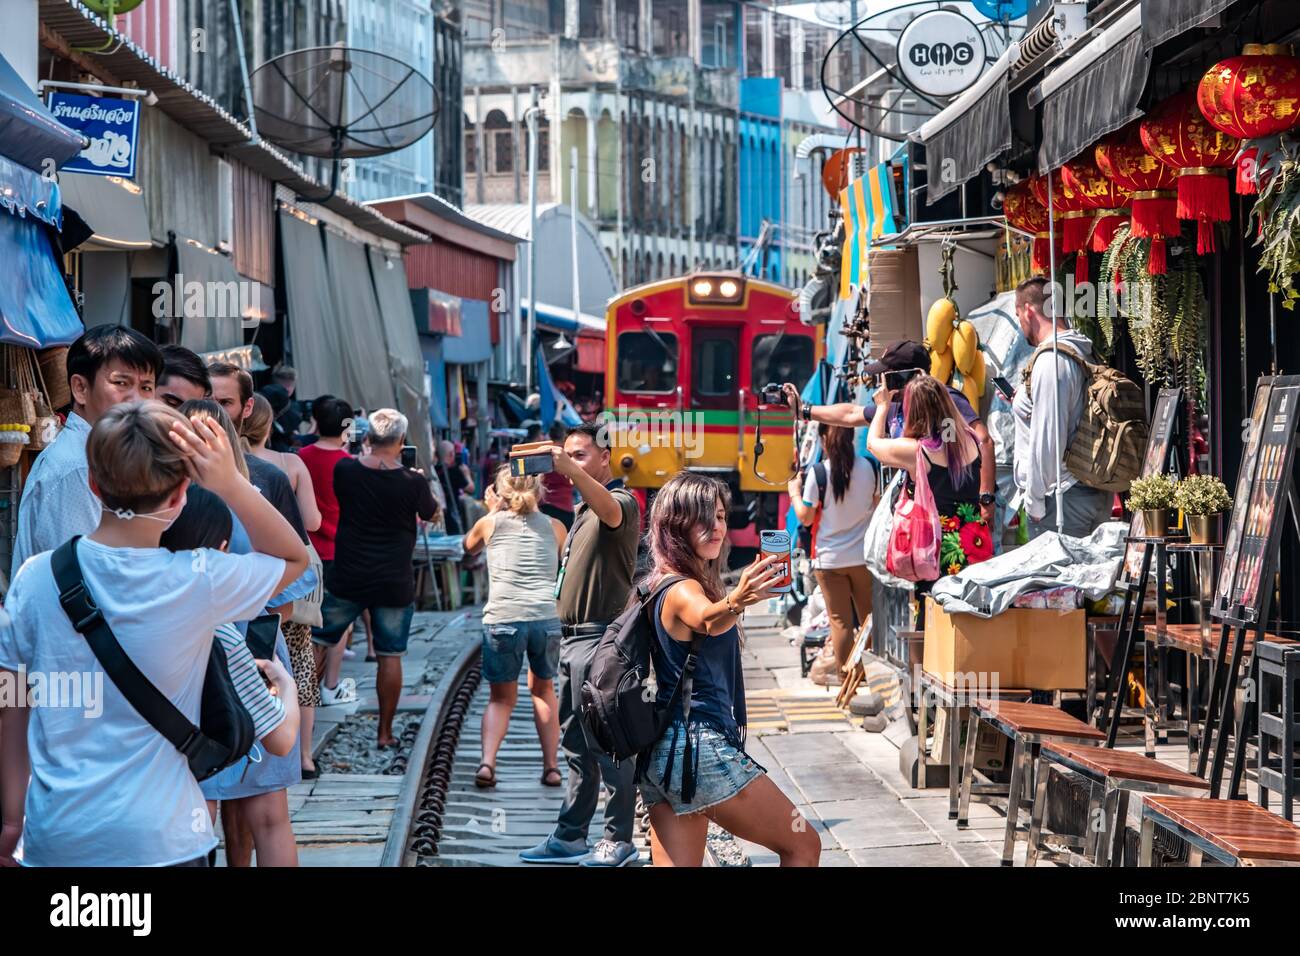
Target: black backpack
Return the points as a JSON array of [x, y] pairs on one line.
[[808, 532], [226, 731], [618, 698]]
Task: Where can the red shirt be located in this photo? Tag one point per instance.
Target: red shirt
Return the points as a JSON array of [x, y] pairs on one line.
[[559, 490], [320, 464]]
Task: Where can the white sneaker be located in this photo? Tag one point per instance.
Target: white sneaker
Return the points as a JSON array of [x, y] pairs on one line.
[[344, 693]]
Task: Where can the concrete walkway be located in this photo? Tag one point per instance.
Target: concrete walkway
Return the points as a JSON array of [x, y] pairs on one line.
[[846, 781]]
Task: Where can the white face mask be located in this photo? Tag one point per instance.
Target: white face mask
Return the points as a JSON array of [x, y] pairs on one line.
[[126, 514]]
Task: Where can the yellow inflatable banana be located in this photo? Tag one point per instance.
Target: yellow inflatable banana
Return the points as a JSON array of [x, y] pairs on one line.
[[939, 325], [941, 365], [965, 347]]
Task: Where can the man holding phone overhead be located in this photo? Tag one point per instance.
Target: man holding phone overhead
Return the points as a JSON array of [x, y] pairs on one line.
[[900, 361]]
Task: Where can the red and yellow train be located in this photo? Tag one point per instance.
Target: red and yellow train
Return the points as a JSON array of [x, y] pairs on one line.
[[687, 360]]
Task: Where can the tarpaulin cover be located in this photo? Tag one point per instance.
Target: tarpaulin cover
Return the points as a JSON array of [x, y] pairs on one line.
[[1051, 560], [313, 329], [474, 344], [35, 308], [431, 349], [218, 289], [404, 357], [1164, 19], [1100, 99], [361, 330], [29, 133], [27, 193]]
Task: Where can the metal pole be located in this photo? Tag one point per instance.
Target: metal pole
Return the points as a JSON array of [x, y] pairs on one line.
[[573, 190], [243, 70], [1056, 358], [530, 117]]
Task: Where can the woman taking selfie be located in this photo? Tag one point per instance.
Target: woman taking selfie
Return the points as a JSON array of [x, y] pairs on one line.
[[698, 770], [950, 455], [838, 494]]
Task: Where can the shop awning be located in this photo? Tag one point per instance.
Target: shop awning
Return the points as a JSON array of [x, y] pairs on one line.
[[474, 344], [35, 308], [24, 192], [436, 313], [208, 297], [559, 318], [313, 329], [110, 205], [591, 356], [431, 349], [1094, 92], [1164, 19], [29, 133], [361, 328], [969, 131], [404, 359]]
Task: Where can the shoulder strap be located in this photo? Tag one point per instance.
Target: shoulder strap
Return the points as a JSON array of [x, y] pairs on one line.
[[89, 621], [1062, 349], [819, 473]]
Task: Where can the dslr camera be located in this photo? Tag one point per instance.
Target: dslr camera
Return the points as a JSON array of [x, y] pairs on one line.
[[772, 394]]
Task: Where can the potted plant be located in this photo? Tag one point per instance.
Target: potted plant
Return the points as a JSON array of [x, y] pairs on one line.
[[1203, 499], [1152, 496]]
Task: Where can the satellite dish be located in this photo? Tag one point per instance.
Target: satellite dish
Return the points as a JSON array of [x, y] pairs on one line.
[[111, 8], [834, 13], [1002, 10], [911, 59], [337, 103]]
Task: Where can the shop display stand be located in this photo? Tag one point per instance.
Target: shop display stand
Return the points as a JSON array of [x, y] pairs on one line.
[[1194, 651], [1139, 552], [1265, 493]]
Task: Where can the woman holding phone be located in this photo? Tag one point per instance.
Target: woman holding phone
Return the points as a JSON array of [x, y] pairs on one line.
[[698, 771]]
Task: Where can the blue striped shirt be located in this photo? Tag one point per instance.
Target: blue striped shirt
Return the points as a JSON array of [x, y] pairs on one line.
[[265, 708]]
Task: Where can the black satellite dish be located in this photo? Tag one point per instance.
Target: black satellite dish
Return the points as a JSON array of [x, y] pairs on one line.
[[337, 103]]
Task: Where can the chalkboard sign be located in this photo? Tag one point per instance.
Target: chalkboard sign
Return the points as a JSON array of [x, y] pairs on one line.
[[1159, 437]]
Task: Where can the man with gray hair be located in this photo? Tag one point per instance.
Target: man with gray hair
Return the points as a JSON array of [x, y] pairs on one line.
[[380, 502]]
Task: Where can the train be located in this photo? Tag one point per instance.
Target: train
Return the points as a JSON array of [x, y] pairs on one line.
[[687, 361]]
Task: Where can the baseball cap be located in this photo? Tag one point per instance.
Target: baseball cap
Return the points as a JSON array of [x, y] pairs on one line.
[[900, 355]]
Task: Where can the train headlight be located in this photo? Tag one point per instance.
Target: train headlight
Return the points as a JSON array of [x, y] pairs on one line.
[[716, 290], [703, 288], [728, 288]]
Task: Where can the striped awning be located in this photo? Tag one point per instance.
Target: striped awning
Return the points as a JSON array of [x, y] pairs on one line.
[[868, 208]]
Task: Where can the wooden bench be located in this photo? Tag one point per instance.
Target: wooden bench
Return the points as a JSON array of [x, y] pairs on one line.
[[1028, 725], [1112, 775], [1234, 832]]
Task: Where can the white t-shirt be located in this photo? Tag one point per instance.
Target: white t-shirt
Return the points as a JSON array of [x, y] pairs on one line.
[[843, 523], [106, 788]]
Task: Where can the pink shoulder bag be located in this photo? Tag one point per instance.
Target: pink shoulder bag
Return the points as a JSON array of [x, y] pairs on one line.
[[914, 541]]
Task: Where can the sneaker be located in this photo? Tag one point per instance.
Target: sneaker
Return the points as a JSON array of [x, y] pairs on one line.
[[344, 693], [552, 850], [611, 853], [349, 654]]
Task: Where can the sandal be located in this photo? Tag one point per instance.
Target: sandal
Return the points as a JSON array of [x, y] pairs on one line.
[[483, 783], [546, 777]]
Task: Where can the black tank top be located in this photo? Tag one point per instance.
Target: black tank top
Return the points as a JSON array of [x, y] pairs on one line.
[[947, 494]]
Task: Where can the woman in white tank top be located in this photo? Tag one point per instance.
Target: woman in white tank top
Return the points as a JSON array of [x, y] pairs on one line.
[[523, 555]]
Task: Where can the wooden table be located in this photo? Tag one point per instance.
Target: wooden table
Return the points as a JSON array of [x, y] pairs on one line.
[[1112, 775], [1234, 832], [1027, 725]]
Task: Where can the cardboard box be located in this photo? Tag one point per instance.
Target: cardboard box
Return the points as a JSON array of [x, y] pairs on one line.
[[1020, 648], [895, 297], [990, 746]]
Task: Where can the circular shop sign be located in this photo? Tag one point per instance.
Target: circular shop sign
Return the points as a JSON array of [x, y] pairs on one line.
[[940, 53]]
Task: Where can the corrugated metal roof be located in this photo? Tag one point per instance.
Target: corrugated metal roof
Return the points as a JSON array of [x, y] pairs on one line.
[[199, 113], [513, 218], [446, 210]]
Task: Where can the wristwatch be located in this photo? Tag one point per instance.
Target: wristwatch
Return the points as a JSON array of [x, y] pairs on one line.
[[806, 412], [988, 498]]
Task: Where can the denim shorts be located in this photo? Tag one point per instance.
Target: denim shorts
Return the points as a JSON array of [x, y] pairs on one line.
[[504, 646], [721, 769], [390, 627]]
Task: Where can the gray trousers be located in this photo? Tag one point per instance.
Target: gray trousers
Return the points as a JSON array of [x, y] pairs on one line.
[[588, 767], [1084, 509]]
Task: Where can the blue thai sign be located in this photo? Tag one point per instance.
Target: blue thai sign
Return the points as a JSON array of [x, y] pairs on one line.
[[111, 125]]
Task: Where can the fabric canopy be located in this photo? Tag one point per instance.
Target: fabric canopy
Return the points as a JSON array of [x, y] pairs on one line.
[[313, 326], [1095, 92], [35, 308], [970, 131], [404, 358], [27, 193], [1164, 19], [207, 297], [29, 133], [431, 349], [559, 318], [361, 329], [474, 344], [112, 206]]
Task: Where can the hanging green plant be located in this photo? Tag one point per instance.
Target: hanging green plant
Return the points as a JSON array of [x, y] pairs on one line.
[[1276, 218]]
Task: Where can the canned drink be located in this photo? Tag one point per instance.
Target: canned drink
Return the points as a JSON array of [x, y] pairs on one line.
[[777, 542]]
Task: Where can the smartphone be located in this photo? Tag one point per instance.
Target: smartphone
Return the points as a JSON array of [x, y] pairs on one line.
[[896, 381], [532, 459], [777, 542], [1004, 387], [261, 636], [408, 456]]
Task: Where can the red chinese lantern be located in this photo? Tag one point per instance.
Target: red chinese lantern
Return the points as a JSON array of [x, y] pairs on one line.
[[1026, 213], [1073, 222], [1151, 187], [1107, 199], [1181, 138], [1251, 96]]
